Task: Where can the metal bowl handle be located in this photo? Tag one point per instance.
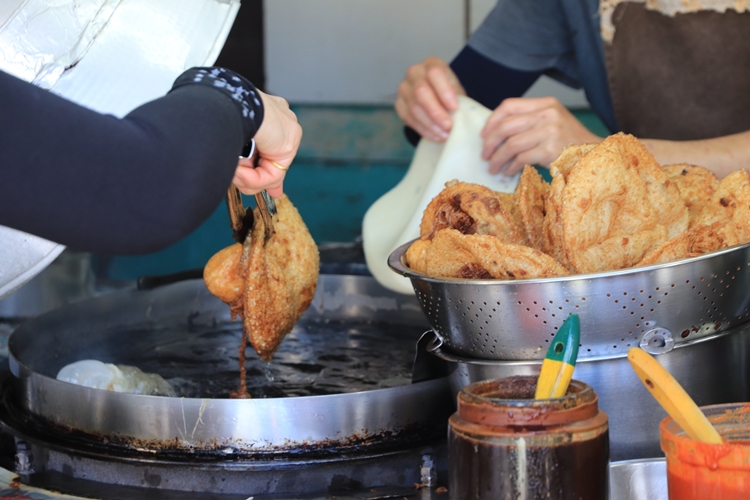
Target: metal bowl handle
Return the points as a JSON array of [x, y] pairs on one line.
[[657, 341]]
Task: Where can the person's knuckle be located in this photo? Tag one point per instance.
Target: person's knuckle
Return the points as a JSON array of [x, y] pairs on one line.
[[423, 92], [494, 140], [414, 72], [553, 130], [551, 113], [513, 144], [414, 109], [435, 72]]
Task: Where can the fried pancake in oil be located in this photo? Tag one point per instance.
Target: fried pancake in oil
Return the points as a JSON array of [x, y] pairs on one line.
[[269, 284]]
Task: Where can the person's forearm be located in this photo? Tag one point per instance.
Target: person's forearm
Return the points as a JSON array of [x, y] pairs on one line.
[[101, 184], [721, 155]]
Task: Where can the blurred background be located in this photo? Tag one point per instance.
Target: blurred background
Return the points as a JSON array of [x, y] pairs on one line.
[[338, 63]]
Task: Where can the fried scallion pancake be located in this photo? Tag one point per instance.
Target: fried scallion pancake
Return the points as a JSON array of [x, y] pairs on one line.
[[472, 209], [451, 254], [225, 277], [269, 284], [730, 206], [569, 157], [529, 201], [552, 229], [609, 206], [695, 241], [663, 194], [607, 220], [695, 184]]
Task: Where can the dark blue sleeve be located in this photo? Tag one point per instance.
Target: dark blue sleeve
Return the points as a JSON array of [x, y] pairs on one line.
[[236, 87], [486, 81], [489, 82], [98, 183]]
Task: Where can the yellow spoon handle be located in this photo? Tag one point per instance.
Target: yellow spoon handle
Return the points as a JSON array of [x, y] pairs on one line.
[[672, 397]]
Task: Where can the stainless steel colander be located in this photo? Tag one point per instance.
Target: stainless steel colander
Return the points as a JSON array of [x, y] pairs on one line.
[[655, 307]]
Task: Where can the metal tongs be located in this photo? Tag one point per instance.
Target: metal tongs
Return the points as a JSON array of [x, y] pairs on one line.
[[242, 220]]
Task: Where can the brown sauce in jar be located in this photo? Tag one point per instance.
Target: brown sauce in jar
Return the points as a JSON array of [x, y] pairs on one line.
[[522, 449]]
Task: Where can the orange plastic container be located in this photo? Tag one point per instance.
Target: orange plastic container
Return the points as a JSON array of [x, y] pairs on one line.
[[700, 471]]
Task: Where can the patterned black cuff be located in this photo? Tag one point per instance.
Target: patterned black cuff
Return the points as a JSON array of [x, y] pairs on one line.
[[233, 85]]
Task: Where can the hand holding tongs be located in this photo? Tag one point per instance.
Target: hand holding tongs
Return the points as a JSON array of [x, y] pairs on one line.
[[242, 220]]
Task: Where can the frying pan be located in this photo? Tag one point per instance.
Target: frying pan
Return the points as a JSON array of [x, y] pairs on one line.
[[341, 379]]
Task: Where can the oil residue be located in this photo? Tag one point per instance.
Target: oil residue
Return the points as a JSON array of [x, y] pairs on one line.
[[318, 357]]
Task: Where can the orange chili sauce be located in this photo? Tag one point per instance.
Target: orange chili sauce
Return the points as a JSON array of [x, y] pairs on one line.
[[702, 471]]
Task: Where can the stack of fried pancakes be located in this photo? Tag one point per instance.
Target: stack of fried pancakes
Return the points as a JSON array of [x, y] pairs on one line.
[[609, 206]]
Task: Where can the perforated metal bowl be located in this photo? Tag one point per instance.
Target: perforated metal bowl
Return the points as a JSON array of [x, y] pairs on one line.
[[655, 307]]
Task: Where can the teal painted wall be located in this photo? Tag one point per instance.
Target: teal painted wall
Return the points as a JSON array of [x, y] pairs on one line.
[[348, 158]]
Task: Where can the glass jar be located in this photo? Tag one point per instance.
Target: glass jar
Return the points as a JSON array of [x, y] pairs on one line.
[[504, 444], [697, 470]]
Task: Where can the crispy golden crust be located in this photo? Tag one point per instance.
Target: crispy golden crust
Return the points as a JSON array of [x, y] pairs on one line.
[[619, 252], [529, 201], [569, 157], [730, 207], [552, 229], [695, 184], [604, 206], [698, 240], [278, 278], [471, 209], [281, 279], [451, 254], [223, 276], [663, 194], [416, 255]]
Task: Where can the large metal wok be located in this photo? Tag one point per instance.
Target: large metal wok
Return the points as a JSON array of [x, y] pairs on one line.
[[341, 380]]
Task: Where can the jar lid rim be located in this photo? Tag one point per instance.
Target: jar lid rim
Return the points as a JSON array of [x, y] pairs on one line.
[[476, 403]]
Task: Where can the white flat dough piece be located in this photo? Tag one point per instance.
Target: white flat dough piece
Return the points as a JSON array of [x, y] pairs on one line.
[[395, 217]]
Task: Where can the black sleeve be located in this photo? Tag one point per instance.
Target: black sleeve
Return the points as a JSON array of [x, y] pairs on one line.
[[486, 81], [120, 186]]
